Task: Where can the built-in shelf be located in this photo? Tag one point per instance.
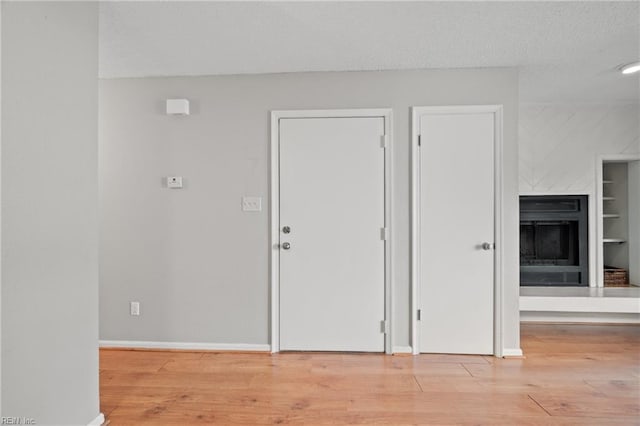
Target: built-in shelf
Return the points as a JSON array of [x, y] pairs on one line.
[[614, 240], [617, 239]]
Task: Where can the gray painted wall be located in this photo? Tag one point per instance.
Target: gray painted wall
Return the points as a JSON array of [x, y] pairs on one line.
[[49, 212], [194, 260]]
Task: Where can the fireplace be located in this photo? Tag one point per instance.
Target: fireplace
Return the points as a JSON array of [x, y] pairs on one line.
[[554, 240]]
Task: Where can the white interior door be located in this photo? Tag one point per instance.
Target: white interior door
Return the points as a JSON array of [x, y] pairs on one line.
[[332, 260], [456, 218]]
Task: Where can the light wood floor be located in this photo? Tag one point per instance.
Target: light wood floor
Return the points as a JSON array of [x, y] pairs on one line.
[[572, 375]]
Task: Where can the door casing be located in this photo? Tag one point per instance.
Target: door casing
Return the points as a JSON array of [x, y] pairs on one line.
[[415, 278], [274, 213]]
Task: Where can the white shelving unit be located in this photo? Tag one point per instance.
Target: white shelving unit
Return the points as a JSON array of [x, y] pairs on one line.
[[612, 207], [617, 210], [614, 240]]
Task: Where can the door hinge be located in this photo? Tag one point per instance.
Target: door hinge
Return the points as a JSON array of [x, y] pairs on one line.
[[419, 314], [384, 326], [384, 141], [384, 234], [419, 140]]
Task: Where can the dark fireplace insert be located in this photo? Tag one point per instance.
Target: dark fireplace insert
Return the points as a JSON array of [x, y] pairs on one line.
[[554, 240]]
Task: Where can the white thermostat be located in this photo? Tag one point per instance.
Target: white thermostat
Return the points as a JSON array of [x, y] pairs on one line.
[[174, 182]]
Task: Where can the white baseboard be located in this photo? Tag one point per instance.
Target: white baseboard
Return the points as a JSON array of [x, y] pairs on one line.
[[506, 353], [402, 350], [581, 317], [587, 304], [97, 421], [244, 347]]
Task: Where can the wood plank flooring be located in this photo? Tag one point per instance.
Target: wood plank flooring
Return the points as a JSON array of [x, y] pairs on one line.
[[572, 375]]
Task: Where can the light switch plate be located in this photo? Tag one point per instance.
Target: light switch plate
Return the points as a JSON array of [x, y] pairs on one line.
[[251, 204], [174, 182], [134, 308]]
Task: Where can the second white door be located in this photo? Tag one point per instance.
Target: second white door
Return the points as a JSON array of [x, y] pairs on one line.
[[332, 257], [456, 232]]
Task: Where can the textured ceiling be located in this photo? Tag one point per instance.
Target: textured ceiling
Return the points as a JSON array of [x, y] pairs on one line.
[[566, 51]]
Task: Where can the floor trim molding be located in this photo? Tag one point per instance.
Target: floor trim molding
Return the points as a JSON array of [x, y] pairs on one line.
[[402, 350], [580, 317], [512, 353], [133, 344], [625, 305], [97, 421]]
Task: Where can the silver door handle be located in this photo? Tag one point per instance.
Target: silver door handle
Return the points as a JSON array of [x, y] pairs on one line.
[[286, 246], [487, 246]]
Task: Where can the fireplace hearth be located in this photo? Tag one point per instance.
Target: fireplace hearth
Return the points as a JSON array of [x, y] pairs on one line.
[[554, 241]]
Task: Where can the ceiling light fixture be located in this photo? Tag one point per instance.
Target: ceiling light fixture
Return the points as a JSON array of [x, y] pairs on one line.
[[630, 68]]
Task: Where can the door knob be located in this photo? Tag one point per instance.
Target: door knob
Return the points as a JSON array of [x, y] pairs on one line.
[[286, 230], [487, 246], [286, 246]]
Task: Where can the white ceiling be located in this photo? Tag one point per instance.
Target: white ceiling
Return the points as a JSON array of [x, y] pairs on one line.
[[566, 51]]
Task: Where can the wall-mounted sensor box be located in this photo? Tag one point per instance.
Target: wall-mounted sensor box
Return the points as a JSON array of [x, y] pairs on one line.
[[174, 182], [251, 204], [177, 107]]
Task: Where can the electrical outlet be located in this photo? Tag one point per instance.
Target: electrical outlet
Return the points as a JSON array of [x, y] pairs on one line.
[[134, 308], [251, 204], [174, 182]]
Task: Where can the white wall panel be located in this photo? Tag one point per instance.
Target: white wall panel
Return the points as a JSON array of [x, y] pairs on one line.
[[50, 212], [559, 144]]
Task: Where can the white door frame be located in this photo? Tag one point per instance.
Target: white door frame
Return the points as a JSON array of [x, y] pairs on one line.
[[600, 160], [416, 112], [274, 217]]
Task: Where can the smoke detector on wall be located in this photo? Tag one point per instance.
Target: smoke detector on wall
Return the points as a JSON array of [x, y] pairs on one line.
[[177, 107]]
